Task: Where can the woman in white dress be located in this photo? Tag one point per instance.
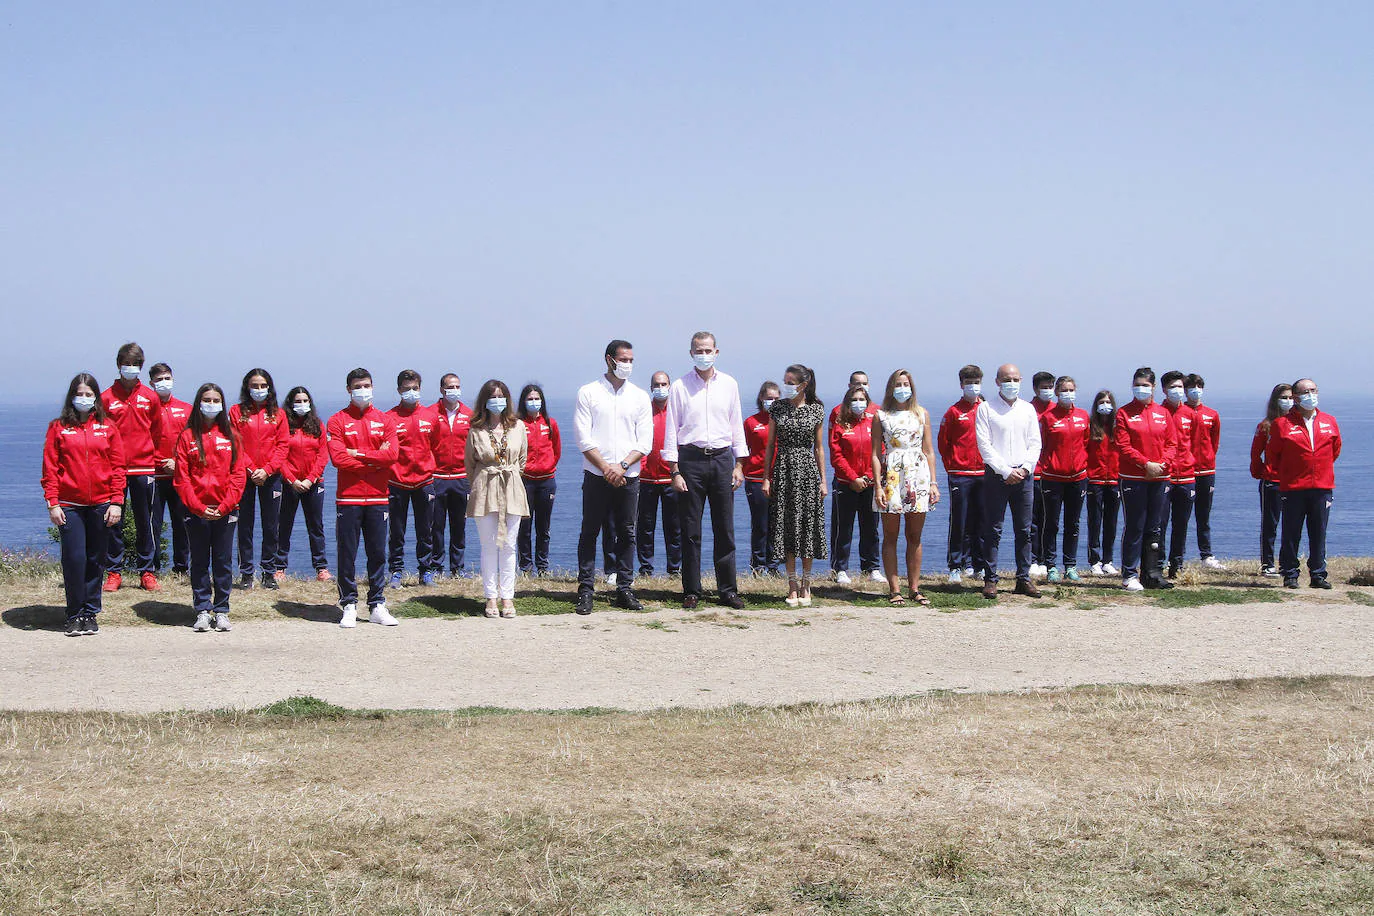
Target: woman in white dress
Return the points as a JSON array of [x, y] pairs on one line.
[[903, 454]]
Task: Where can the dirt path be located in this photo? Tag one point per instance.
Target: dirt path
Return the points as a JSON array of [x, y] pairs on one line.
[[626, 661]]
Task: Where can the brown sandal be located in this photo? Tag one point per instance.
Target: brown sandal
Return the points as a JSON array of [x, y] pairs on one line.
[[895, 599], [920, 599]]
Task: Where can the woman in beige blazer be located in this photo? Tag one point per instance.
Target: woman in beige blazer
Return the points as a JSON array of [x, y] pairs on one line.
[[496, 452]]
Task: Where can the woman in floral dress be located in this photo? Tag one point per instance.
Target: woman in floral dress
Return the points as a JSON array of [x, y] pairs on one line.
[[796, 487], [903, 455]]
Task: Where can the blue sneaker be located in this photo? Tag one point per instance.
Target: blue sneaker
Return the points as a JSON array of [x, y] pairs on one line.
[[426, 578], [1072, 574], [1054, 574], [396, 580]]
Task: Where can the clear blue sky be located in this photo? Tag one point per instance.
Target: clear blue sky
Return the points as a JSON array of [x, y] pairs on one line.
[[501, 187]]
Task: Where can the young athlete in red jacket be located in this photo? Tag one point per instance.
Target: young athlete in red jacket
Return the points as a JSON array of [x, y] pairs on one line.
[[450, 476], [412, 480], [1306, 444], [851, 492], [958, 444], [260, 425], [1182, 479], [1063, 475], [756, 439], [545, 449], [1104, 484], [1262, 469], [137, 411], [1206, 442], [302, 473], [1043, 385], [1146, 441], [656, 489], [166, 503]]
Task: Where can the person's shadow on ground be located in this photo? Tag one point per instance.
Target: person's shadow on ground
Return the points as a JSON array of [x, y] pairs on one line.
[[165, 613], [36, 617]]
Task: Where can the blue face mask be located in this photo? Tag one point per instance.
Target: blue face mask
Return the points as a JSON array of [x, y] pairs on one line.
[[902, 393], [496, 405], [451, 395], [703, 361], [84, 403], [1009, 390], [1175, 395], [1066, 398], [1045, 394], [410, 396], [1142, 393], [258, 394], [361, 397], [768, 403], [660, 393], [533, 405], [788, 391], [858, 407], [1195, 395], [1105, 409], [163, 386], [1285, 404], [1308, 400], [209, 409], [129, 373]]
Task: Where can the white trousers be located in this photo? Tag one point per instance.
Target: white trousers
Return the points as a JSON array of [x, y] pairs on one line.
[[498, 554]]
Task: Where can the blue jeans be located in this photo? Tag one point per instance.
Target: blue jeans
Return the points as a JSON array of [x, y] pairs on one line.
[[83, 537], [138, 499], [165, 499], [965, 494], [266, 498], [1104, 502], [450, 518], [1176, 516], [997, 495], [1145, 504], [1066, 497], [534, 552], [212, 558], [760, 531], [370, 522], [651, 496], [845, 507], [1269, 520], [422, 499], [311, 503], [1312, 509], [1204, 491]]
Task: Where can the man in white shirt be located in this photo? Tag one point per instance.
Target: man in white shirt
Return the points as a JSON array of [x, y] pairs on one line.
[[614, 426], [703, 444], [1008, 431]]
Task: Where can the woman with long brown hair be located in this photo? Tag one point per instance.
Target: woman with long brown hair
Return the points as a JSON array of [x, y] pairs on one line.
[[905, 489], [497, 449], [1104, 484], [1262, 469]]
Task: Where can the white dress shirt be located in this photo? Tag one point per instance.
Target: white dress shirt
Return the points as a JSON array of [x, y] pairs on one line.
[[614, 422], [705, 414], [1008, 435]]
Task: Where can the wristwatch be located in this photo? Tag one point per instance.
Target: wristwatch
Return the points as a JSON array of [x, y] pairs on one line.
[[624, 466]]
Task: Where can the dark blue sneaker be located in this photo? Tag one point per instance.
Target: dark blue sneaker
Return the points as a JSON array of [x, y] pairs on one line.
[[395, 580], [89, 626], [426, 578], [75, 625]]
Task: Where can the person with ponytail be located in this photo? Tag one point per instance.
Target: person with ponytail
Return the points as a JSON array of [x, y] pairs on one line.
[[795, 485], [302, 472], [1262, 454], [545, 451], [1104, 484], [261, 427], [211, 474], [84, 475]]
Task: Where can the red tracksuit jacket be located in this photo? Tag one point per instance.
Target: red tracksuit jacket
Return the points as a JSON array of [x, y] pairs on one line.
[[1303, 461], [214, 480], [545, 448], [262, 439], [1104, 463], [1145, 432], [1206, 440], [851, 450], [654, 469], [138, 414], [451, 443], [306, 456], [417, 429], [756, 439], [1181, 471], [1041, 408], [364, 479], [83, 465], [174, 416], [958, 440], [1064, 444], [1262, 456]]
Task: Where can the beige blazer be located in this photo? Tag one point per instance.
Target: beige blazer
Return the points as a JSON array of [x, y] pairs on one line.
[[496, 487]]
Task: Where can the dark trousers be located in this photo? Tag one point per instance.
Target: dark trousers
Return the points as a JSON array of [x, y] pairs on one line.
[[138, 499], [965, 495], [1269, 520], [845, 507], [534, 553], [370, 523], [83, 536], [651, 496], [760, 527], [167, 504], [1177, 514], [212, 562], [1204, 490], [1310, 508], [1104, 501], [609, 563], [422, 499], [265, 501], [997, 495], [450, 518], [1144, 504], [708, 480], [311, 503], [602, 502], [1064, 497], [1037, 531]]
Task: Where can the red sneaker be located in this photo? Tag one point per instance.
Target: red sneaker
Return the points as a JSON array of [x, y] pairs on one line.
[[279, 575], [323, 576], [149, 582], [113, 581]]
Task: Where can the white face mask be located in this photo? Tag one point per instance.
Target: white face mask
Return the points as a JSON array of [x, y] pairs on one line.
[[623, 370], [1308, 400], [789, 391], [1175, 395], [362, 397], [1105, 409], [972, 391], [163, 386], [1009, 390], [1142, 393], [258, 394], [703, 361], [902, 393], [1285, 404], [857, 407], [1066, 398], [660, 392], [210, 409], [128, 373], [452, 395], [410, 396], [301, 409], [1045, 394], [84, 403]]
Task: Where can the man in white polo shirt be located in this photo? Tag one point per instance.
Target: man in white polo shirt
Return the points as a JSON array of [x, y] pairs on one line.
[[1008, 431], [615, 428]]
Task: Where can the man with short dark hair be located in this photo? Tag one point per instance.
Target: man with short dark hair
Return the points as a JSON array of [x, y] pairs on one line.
[[412, 480], [1182, 480], [175, 413], [1043, 402], [452, 419], [958, 446], [656, 488], [136, 411], [1307, 443], [1206, 442], [1146, 438]]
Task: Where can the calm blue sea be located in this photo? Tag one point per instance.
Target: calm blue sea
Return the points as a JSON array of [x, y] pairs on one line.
[[1235, 523]]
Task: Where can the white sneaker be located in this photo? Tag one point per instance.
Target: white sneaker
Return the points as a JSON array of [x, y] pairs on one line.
[[349, 620], [202, 622], [610, 579], [381, 615], [1096, 569], [1212, 563], [842, 578], [222, 623], [969, 572], [1038, 572], [955, 577], [1133, 585], [1109, 570], [877, 575]]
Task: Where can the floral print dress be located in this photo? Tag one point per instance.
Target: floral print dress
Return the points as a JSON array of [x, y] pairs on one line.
[[796, 513], [905, 484]]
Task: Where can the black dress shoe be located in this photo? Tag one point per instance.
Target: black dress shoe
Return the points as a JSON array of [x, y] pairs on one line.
[[584, 603], [732, 600], [1321, 583], [269, 581], [1026, 587], [1290, 583], [625, 599], [690, 602], [246, 582]]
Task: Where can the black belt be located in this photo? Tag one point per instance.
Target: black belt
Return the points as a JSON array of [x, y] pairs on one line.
[[704, 452]]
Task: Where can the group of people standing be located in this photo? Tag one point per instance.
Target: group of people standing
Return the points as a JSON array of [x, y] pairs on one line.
[[216, 471]]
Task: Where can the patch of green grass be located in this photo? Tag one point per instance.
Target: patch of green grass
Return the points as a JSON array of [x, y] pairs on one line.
[[799, 622], [1197, 597], [531, 604], [303, 707], [1360, 598], [655, 625]]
